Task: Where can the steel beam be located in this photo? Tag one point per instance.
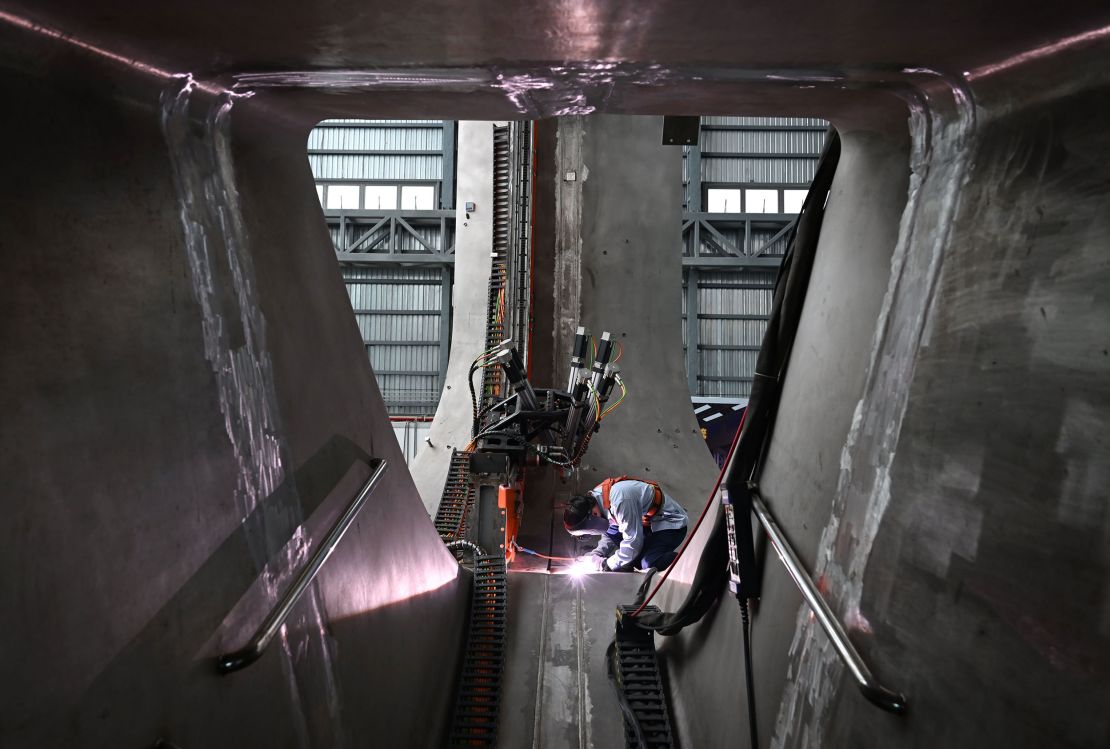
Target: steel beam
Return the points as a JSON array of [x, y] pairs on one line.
[[447, 182], [445, 320], [731, 261], [692, 329]]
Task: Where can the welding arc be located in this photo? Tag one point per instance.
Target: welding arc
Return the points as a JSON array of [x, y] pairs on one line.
[[705, 511]]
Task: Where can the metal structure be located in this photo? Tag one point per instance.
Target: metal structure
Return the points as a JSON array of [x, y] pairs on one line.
[[275, 619], [870, 687], [743, 186], [387, 189]]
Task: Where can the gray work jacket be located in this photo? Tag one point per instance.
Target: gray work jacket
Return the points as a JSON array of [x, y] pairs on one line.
[[628, 502]]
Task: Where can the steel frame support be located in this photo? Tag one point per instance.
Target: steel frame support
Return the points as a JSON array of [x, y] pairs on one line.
[[692, 330], [444, 324]]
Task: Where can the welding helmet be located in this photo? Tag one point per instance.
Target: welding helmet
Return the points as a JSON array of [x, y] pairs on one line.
[[578, 517]]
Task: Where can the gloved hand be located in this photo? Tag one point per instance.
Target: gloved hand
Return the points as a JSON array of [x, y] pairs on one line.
[[595, 562]]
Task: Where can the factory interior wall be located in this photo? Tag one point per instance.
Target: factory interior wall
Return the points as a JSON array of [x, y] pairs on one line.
[[451, 426], [182, 406], [622, 244]]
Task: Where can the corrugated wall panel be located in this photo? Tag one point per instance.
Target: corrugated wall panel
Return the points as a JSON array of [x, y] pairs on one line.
[[765, 121], [399, 309], [763, 141], [361, 167], [733, 319], [389, 338], [760, 170], [376, 139], [409, 275], [335, 123], [398, 327]]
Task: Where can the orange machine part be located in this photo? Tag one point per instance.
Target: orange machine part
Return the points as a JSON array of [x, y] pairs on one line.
[[507, 496]]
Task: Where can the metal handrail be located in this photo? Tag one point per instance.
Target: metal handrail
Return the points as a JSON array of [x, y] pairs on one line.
[[273, 622], [879, 695]]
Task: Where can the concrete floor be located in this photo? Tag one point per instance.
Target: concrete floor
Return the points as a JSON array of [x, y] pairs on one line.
[[185, 397]]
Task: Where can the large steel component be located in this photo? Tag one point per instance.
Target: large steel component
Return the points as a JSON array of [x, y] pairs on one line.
[[185, 395]]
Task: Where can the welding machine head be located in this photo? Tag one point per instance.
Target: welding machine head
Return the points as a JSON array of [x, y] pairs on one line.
[[583, 517]]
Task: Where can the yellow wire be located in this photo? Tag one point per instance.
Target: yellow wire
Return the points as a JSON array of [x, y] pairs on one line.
[[624, 392]]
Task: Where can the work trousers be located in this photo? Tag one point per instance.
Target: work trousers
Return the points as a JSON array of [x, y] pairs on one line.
[[660, 547]]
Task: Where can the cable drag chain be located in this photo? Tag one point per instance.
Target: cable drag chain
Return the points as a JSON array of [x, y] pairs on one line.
[[479, 693], [457, 499], [495, 321], [639, 683]]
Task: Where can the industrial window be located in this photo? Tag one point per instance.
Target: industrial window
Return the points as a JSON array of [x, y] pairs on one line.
[[723, 201], [762, 201], [320, 193], [342, 196], [792, 200], [381, 197], [418, 197]]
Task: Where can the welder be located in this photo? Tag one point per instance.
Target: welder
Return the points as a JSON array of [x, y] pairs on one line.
[[639, 524]]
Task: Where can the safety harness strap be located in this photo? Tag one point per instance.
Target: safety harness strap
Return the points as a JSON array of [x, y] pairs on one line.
[[656, 501]]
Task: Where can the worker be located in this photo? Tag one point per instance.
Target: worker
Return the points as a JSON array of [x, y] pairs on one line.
[[639, 525]]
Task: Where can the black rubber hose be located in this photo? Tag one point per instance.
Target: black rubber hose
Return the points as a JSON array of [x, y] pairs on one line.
[[746, 625]]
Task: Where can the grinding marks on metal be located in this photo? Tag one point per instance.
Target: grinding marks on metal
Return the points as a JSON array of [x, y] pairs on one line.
[[457, 499], [639, 684], [479, 693]]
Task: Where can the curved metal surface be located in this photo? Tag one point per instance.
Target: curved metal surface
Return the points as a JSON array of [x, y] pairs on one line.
[[253, 650], [870, 687]]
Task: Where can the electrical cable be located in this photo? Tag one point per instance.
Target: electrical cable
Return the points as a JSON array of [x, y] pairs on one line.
[[704, 512], [498, 432], [480, 362], [624, 392], [746, 625], [597, 401], [474, 548], [553, 461], [533, 553]]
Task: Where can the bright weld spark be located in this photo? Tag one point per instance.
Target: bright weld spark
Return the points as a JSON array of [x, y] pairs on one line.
[[580, 569]]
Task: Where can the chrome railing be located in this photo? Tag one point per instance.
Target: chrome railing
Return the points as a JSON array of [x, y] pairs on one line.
[[870, 687], [273, 622]]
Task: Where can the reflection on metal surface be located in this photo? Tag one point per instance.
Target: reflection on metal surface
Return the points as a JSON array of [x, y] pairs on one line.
[[276, 618], [53, 33], [1045, 50], [875, 692]]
